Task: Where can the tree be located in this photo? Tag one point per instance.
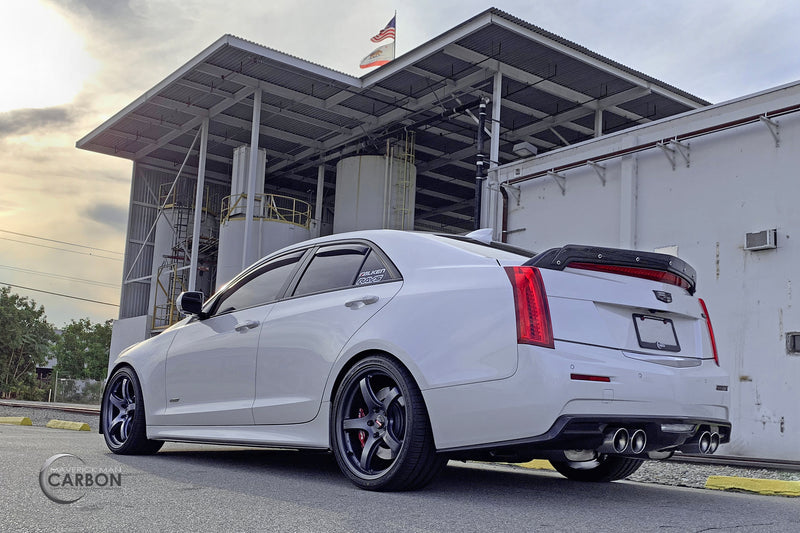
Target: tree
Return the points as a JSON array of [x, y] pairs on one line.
[[25, 338], [82, 349]]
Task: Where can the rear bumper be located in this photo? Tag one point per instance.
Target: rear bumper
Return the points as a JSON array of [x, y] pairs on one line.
[[587, 432], [542, 403]]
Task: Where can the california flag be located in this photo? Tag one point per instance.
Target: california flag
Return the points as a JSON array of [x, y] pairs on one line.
[[379, 56]]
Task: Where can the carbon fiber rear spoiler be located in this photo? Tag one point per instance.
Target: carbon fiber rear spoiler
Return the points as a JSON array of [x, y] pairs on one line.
[[560, 258]]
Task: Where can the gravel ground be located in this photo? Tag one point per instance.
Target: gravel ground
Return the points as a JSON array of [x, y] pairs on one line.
[[661, 472], [695, 475]]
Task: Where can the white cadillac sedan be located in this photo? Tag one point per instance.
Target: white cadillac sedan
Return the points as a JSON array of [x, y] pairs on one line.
[[401, 350]]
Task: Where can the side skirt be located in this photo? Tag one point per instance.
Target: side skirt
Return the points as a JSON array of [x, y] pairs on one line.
[[310, 435]]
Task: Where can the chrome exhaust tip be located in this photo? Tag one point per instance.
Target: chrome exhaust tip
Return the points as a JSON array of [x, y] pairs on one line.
[[617, 440], [704, 443], [638, 441], [714, 443]]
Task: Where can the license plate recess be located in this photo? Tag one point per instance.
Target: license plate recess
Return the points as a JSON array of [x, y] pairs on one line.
[[656, 333]]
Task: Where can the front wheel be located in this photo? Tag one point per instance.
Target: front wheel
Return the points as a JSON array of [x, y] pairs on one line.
[[380, 431], [603, 469], [123, 419]]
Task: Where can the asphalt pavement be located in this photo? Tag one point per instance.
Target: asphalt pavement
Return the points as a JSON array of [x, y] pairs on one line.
[[208, 488]]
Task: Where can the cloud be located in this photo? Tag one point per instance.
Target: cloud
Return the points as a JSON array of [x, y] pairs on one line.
[[22, 121], [112, 215]]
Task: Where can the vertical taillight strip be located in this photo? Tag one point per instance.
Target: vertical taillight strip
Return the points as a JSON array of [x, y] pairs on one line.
[[710, 330], [530, 301]]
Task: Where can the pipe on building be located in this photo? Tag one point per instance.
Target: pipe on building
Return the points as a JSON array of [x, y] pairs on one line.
[[479, 171]]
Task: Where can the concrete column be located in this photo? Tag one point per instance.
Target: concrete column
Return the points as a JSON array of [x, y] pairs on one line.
[[198, 205], [598, 122], [492, 197], [318, 200], [628, 193], [248, 255]]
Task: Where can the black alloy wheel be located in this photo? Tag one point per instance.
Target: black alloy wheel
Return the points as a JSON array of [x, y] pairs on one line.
[[380, 432], [123, 420]]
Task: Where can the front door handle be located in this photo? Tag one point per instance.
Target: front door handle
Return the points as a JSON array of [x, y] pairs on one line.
[[358, 303], [244, 326]]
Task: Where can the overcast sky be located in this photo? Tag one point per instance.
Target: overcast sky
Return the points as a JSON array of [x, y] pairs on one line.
[[68, 65]]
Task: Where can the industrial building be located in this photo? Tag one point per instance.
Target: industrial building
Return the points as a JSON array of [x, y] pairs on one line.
[[579, 149]]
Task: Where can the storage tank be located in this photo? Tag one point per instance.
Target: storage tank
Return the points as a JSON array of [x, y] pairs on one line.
[[171, 257], [374, 192], [278, 221]]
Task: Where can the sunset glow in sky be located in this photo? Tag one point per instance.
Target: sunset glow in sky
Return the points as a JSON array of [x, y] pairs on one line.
[[68, 65]]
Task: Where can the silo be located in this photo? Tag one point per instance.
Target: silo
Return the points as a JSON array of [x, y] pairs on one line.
[[374, 192], [172, 251], [278, 221]]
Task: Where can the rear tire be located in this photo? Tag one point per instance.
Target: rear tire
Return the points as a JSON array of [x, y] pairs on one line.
[[380, 431], [603, 469], [123, 418]]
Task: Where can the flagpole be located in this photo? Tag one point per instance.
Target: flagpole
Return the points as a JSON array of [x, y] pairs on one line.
[[395, 34]]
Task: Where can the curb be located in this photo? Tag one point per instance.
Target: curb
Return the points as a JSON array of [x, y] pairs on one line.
[[64, 424], [537, 464], [16, 420], [768, 487]]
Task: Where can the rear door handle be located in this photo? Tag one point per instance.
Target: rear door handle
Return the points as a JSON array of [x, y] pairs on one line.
[[244, 326], [361, 302]]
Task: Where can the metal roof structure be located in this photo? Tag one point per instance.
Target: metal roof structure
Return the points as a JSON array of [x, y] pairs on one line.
[[551, 92]]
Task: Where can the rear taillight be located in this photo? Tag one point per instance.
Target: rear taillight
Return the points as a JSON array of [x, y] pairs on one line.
[[530, 300], [646, 273], [710, 330]]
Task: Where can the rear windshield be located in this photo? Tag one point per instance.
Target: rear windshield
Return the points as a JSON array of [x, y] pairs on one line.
[[495, 250]]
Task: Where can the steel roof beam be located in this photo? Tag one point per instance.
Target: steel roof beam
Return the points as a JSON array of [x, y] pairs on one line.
[[579, 112], [393, 116], [284, 92], [208, 90], [605, 66], [195, 122]]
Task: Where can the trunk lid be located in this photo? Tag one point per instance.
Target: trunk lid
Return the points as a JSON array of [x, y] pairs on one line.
[[638, 302]]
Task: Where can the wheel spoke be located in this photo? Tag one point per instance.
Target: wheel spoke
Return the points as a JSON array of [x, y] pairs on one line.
[[127, 392], [350, 424], [125, 429], [389, 396], [116, 401], [119, 419], [393, 444], [368, 394], [368, 453]]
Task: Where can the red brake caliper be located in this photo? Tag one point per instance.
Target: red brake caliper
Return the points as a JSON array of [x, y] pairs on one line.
[[362, 435]]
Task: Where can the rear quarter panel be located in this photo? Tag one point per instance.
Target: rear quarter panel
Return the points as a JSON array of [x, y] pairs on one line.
[[449, 325]]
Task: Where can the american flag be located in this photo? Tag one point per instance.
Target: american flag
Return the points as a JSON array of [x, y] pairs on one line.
[[386, 33]]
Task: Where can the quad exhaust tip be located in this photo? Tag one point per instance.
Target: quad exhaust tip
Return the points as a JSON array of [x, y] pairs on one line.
[[616, 441], [708, 442], [638, 441]]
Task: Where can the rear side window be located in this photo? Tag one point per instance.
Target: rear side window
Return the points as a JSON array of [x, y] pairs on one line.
[[372, 271], [342, 266], [262, 286]]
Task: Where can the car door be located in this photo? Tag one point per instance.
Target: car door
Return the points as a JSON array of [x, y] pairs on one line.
[[339, 289], [211, 364]]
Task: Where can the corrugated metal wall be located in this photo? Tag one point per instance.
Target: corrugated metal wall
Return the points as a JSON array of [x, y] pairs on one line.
[[143, 208]]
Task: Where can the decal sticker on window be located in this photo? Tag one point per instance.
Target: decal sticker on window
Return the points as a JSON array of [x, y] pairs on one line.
[[371, 276]]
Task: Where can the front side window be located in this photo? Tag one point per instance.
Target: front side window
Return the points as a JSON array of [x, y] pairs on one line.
[[264, 285]]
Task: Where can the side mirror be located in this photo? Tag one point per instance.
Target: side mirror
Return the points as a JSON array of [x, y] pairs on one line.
[[190, 303]]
